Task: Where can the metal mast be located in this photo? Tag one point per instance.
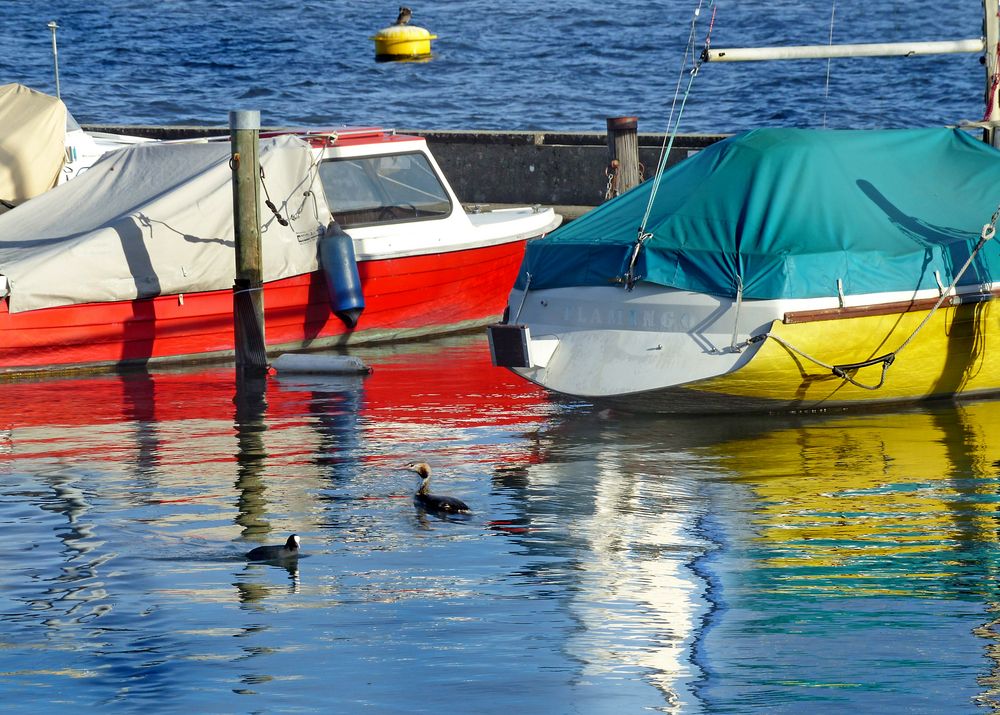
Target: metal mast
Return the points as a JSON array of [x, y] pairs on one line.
[[988, 44], [55, 53]]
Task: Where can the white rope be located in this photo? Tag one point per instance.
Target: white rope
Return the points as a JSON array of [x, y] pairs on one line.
[[988, 232], [781, 341], [736, 320]]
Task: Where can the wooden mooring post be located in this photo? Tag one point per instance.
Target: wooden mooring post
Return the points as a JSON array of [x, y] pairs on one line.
[[624, 171], [248, 289]]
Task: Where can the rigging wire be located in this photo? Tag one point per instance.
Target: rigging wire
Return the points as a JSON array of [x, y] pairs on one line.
[[688, 53], [671, 132], [829, 62], [672, 125]]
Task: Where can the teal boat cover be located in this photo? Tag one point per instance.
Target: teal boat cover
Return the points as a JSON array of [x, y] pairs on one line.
[[789, 212]]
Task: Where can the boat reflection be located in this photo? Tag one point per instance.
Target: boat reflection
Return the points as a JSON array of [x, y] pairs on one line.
[[184, 442], [898, 503], [608, 510], [899, 509], [625, 542]]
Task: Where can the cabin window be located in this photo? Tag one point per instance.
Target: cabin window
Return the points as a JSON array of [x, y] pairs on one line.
[[372, 190]]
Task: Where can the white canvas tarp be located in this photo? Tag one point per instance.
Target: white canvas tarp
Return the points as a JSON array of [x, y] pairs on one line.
[[32, 142], [157, 219]]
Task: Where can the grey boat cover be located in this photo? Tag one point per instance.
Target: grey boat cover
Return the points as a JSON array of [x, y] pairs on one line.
[[32, 142], [157, 219]]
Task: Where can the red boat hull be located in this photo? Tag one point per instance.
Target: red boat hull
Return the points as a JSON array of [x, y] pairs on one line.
[[406, 297]]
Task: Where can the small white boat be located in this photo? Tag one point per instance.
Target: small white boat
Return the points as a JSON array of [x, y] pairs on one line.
[[780, 269]]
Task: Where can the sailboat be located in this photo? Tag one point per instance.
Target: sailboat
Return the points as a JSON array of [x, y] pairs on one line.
[[779, 270]]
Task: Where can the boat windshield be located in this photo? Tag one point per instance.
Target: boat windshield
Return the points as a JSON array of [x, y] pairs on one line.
[[371, 190]]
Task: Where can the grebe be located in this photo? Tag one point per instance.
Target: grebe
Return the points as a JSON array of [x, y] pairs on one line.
[[289, 550], [404, 16], [434, 502]]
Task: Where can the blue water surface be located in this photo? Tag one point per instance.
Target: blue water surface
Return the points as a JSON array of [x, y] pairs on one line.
[[515, 65], [612, 564]]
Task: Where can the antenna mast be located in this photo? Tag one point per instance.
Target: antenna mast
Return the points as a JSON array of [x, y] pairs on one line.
[[55, 54]]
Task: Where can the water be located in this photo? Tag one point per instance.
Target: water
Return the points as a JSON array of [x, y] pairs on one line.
[[829, 563], [515, 65], [612, 564]]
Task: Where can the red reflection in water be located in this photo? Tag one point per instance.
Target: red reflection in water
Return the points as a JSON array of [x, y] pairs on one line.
[[450, 385]]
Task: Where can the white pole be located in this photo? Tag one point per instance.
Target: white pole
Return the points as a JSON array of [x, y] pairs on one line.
[[991, 29], [55, 53], [816, 52]]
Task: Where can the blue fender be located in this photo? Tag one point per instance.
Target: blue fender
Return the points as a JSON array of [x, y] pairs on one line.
[[340, 267]]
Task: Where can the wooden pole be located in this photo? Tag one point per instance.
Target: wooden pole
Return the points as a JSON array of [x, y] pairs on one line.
[[623, 170], [248, 290], [251, 454]]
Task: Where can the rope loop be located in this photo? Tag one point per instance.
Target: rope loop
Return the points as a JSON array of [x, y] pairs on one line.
[[990, 229], [842, 371]]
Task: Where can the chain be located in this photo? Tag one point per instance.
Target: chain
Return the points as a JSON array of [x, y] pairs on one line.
[[611, 171], [990, 229]]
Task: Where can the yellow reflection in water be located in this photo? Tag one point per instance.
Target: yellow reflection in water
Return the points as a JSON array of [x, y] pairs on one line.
[[884, 498]]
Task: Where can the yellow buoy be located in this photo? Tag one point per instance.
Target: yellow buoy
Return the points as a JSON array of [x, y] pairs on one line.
[[402, 42]]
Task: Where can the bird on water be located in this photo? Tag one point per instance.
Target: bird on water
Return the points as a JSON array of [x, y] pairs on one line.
[[434, 502], [404, 16], [289, 550]]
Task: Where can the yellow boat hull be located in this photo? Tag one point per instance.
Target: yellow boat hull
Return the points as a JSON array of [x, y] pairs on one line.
[[667, 351], [950, 355]]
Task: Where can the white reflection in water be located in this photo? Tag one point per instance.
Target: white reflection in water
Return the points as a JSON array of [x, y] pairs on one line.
[[637, 599]]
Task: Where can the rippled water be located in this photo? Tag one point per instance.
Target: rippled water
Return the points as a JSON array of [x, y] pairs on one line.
[[513, 65], [612, 564]]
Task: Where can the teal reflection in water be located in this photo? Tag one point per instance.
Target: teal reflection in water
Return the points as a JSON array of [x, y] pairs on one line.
[[612, 564], [861, 567]]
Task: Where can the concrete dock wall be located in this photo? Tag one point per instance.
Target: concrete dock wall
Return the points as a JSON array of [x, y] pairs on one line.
[[562, 169]]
